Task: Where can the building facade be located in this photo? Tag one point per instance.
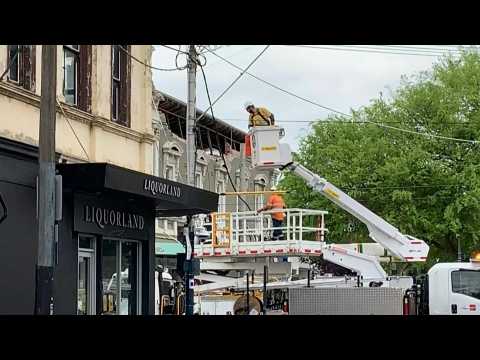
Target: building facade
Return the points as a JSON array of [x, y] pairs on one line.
[[110, 197]]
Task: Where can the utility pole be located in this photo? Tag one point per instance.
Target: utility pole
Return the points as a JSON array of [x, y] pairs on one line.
[[46, 183], [190, 139], [191, 113]]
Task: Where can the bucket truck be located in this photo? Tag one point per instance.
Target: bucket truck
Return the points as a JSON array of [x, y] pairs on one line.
[[451, 288]]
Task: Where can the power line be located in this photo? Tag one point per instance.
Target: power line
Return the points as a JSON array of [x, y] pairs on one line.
[[343, 48], [221, 152], [344, 122], [385, 48], [420, 49], [143, 63], [73, 130], [340, 112], [236, 79], [248, 48], [176, 50]]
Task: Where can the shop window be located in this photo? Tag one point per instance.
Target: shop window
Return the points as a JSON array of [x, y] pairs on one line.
[[22, 69], [120, 98], [77, 75], [121, 277]]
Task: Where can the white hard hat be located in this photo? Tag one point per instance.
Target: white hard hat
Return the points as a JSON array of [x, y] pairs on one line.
[[273, 188], [248, 104]]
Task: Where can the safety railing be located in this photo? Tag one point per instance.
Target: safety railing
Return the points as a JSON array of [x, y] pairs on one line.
[[230, 230]]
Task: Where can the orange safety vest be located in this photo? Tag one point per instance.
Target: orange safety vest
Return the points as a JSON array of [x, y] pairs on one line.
[[276, 201]]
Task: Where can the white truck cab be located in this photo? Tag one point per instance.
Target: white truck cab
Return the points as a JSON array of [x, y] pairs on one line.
[[454, 288]]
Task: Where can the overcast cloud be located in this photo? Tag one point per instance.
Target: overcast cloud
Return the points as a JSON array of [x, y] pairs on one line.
[[338, 79]]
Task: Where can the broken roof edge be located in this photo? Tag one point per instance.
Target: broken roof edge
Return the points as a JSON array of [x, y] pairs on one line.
[[160, 96]]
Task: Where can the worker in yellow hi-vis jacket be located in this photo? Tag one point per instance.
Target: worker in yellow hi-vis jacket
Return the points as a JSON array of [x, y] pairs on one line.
[[259, 116]]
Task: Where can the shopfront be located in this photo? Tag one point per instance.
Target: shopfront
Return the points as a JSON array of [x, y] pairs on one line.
[[106, 238]]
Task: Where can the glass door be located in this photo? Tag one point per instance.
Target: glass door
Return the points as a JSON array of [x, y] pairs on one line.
[[86, 283]]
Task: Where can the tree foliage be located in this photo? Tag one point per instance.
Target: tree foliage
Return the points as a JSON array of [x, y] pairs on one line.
[[427, 187]]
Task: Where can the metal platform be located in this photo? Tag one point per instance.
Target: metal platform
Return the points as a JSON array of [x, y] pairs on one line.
[[248, 234], [262, 249]]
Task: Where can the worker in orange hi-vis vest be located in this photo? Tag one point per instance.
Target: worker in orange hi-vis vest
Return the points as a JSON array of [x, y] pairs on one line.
[[258, 117], [275, 201]]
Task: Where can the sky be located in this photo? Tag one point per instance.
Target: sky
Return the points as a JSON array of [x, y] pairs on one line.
[[337, 78]]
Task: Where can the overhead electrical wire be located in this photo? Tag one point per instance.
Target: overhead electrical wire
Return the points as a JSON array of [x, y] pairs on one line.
[[244, 71], [421, 49], [145, 64], [71, 128], [367, 50], [438, 51], [234, 81], [221, 151], [176, 50]]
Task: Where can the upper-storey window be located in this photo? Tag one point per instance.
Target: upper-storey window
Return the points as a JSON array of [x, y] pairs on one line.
[[22, 68], [171, 161], [121, 84], [71, 60], [77, 70], [200, 172]]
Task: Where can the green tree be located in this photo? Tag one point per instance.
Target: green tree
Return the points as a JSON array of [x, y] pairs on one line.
[[427, 187]]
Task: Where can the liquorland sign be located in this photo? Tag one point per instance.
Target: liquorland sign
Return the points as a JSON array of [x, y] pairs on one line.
[[155, 187], [110, 217], [116, 217]]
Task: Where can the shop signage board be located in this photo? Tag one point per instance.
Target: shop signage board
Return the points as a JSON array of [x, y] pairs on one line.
[[111, 217]]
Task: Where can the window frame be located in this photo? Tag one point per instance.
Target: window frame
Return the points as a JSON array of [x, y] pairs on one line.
[[469, 271], [70, 49], [17, 60], [120, 94], [115, 84]]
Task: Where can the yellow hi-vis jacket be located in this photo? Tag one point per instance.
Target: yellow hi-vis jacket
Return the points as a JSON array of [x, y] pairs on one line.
[[260, 118]]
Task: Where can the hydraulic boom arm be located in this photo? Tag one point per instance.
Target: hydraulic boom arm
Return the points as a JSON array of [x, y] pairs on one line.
[[406, 247], [268, 153]]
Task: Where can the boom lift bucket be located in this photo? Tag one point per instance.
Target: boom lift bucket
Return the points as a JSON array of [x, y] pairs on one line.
[[267, 152]]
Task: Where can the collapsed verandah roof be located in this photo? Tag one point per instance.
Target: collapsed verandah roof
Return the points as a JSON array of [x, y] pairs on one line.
[[210, 134], [168, 198]]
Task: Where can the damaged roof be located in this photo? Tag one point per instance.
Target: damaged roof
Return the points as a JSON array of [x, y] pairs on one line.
[[211, 133]]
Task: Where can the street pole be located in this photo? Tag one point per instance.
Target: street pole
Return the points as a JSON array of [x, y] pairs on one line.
[[190, 140], [265, 280], [191, 114], [46, 184]]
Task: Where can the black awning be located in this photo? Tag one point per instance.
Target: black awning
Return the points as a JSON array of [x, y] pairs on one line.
[[170, 198]]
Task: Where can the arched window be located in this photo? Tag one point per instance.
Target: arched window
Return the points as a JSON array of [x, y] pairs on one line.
[[201, 169], [171, 160], [171, 154]]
